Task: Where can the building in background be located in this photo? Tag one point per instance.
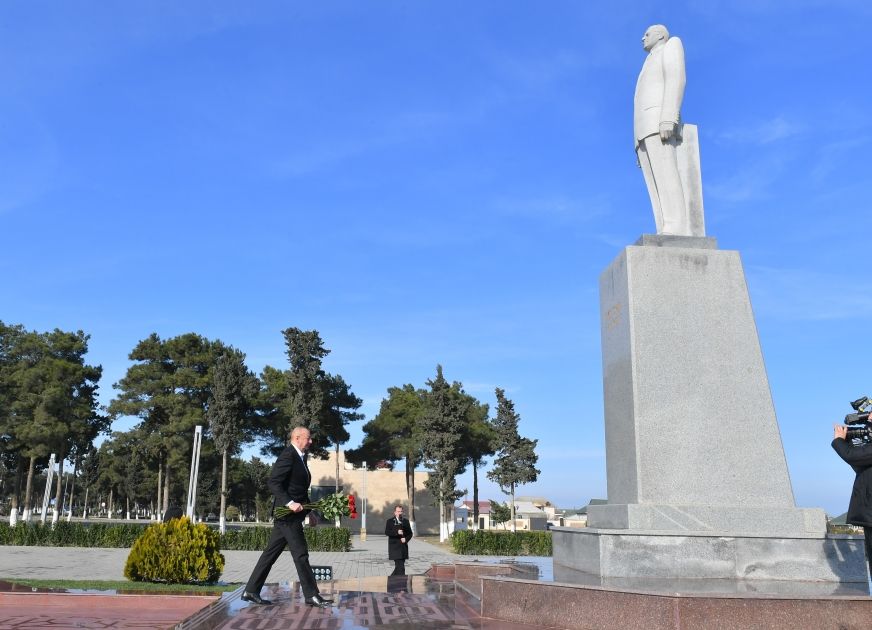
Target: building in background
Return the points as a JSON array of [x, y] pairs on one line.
[[385, 488]]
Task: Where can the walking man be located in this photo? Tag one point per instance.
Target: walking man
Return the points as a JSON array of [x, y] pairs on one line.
[[289, 482]]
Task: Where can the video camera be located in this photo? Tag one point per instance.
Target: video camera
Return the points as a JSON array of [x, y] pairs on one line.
[[860, 417]]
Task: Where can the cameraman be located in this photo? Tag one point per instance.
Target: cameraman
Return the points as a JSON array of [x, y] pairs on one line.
[[860, 459]]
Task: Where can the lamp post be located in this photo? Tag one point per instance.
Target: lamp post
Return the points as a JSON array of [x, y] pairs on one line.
[[363, 514]]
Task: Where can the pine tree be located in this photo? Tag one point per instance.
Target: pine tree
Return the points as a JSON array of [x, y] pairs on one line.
[[516, 459], [442, 432], [231, 405]]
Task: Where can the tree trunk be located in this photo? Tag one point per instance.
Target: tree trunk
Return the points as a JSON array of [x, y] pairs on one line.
[[474, 495], [13, 512], [512, 488], [157, 515], [111, 510], [85, 509], [127, 508], [59, 495], [166, 492], [410, 493], [221, 526], [73, 489], [29, 489]]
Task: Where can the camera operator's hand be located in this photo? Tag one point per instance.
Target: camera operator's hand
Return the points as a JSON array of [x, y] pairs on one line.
[[840, 431]]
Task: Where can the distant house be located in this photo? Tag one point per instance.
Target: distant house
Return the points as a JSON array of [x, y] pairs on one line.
[[530, 516], [463, 515]]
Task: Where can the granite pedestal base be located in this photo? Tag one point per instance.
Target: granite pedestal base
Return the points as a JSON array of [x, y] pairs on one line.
[[710, 555]]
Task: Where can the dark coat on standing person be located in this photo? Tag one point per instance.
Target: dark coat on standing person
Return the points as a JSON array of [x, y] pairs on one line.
[[398, 550], [860, 459]]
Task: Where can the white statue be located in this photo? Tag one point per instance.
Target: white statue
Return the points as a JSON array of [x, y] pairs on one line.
[[658, 135]]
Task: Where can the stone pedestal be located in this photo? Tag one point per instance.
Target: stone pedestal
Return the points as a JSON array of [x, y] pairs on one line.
[[698, 484]]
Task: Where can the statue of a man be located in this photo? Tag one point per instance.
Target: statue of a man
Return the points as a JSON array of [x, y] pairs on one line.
[[657, 128]]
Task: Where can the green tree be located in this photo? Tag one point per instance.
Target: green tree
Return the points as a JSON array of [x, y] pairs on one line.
[[230, 411], [478, 443], [168, 388], [306, 395], [442, 430], [515, 463], [395, 435], [499, 513], [48, 399]]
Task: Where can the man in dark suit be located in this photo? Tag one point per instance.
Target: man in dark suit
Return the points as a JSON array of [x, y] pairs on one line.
[[399, 531], [289, 482], [859, 457]]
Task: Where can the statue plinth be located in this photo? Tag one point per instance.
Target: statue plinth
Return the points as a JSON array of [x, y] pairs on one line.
[[698, 484]]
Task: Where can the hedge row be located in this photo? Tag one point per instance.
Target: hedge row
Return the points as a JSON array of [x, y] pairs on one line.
[[491, 543], [65, 534]]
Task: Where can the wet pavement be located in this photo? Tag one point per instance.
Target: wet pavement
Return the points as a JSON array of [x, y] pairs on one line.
[[39, 611], [366, 597], [411, 602]]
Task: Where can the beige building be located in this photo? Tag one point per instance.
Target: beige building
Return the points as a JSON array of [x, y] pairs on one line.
[[385, 488]]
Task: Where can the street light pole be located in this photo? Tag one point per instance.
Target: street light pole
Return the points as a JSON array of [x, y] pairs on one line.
[[363, 514]]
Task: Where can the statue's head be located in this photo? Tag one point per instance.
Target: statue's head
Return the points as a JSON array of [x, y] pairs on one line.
[[654, 35]]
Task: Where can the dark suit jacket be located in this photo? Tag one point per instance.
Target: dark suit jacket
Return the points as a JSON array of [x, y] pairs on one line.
[[860, 459], [289, 479], [398, 550]]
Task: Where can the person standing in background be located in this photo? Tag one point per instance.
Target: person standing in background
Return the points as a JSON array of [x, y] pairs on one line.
[[399, 532]]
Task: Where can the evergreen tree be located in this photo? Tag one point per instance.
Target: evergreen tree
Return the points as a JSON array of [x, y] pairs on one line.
[[442, 432], [478, 443], [169, 388], [306, 395], [48, 399], [395, 435], [516, 459], [231, 406]]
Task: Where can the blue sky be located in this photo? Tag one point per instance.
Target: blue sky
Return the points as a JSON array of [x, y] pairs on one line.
[[435, 182]]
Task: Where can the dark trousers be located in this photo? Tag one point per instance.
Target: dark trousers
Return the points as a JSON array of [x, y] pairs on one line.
[[287, 531], [399, 567]]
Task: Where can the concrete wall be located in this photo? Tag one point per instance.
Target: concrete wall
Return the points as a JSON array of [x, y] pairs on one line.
[[384, 490]]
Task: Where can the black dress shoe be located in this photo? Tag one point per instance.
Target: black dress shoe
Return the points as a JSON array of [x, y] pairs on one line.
[[254, 598], [317, 600]]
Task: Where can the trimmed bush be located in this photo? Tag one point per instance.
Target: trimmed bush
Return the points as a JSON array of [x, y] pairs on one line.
[[177, 552], [327, 538], [124, 535], [70, 534], [485, 542]]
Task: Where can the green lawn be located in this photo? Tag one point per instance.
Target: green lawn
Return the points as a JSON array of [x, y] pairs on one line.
[[124, 585]]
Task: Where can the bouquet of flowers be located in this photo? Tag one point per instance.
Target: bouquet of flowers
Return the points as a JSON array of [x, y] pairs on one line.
[[331, 507]]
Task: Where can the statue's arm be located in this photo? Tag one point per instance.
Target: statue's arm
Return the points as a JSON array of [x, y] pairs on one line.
[[674, 80]]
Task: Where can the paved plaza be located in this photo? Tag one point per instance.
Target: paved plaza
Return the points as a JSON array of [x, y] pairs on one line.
[[366, 597], [366, 559]]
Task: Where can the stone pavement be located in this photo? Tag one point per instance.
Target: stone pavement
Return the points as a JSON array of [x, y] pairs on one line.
[[366, 559]]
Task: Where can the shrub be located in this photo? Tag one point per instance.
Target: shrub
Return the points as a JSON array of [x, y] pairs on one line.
[[65, 534], [125, 535], [328, 538], [178, 552], [491, 543], [231, 513]]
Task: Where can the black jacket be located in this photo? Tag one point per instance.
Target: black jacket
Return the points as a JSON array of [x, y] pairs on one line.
[[398, 550], [289, 479], [860, 459]]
